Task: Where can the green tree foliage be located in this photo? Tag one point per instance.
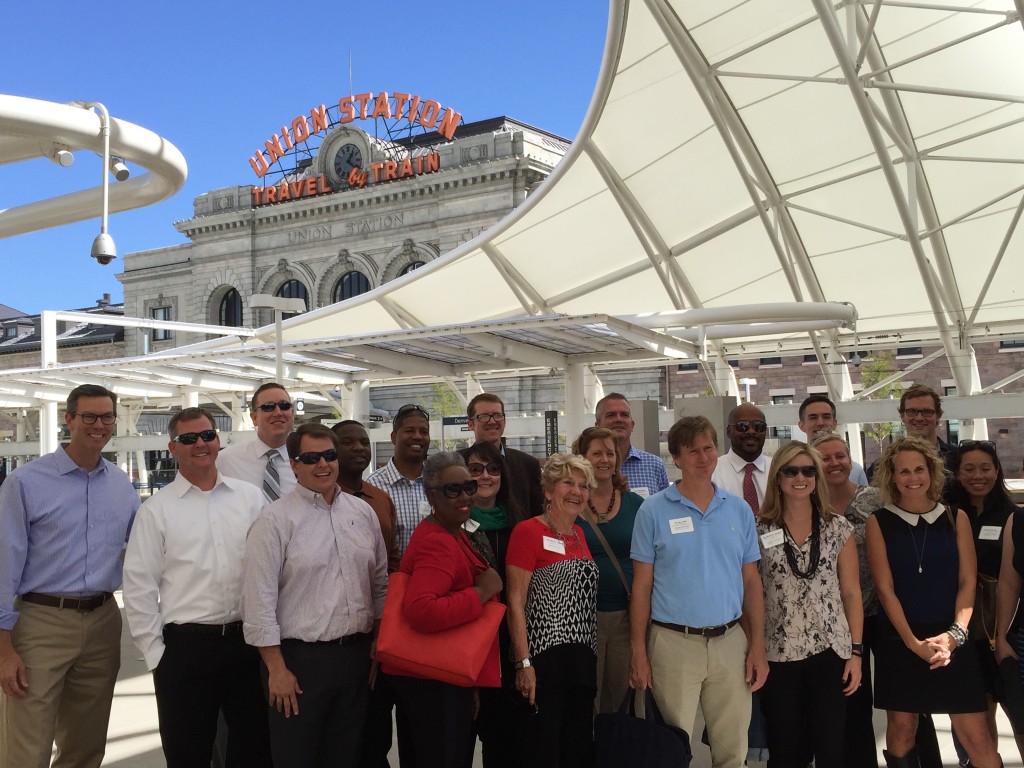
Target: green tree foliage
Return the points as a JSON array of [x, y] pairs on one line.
[[872, 371]]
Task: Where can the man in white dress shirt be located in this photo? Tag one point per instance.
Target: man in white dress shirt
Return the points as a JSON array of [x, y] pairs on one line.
[[743, 471], [316, 571], [182, 596], [264, 461]]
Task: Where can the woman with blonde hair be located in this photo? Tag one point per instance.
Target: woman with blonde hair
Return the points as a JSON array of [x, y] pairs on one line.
[[813, 613], [923, 563]]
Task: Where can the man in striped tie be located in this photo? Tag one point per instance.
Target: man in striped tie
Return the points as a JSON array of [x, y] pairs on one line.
[[264, 461]]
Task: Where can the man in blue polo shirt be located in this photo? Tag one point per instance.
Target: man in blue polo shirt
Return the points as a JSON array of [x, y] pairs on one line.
[[695, 579]]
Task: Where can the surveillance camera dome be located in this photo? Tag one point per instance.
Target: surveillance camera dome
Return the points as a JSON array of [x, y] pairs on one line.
[[103, 249]]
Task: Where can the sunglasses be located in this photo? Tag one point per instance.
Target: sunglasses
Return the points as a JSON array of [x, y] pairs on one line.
[[745, 426], [476, 469], [973, 445], [191, 438], [453, 490], [412, 408], [284, 405], [313, 457], [808, 470]]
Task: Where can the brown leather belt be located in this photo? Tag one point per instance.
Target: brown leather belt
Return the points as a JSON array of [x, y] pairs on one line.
[[223, 630], [716, 631], [81, 604]]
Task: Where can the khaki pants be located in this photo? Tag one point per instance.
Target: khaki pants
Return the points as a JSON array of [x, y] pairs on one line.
[[689, 670], [72, 660], [612, 659]]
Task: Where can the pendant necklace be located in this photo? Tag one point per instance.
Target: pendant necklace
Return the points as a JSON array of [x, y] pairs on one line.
[[924, 543], [571, 537], [602, 517]]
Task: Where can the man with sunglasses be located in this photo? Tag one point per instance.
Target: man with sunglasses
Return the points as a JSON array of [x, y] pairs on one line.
[[182, 597], [64, 519], [486, 414], [315, 574], [264, 461], [743, 471]]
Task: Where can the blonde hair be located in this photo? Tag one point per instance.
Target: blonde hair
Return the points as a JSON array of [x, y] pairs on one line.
[[771, 510], [884, 478], [561, 465]]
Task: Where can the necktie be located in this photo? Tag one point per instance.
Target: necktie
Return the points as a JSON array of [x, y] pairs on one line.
[[749, 489], [271, 479]]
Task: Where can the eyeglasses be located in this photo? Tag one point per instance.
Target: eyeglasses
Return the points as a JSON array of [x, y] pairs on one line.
[[745, 426], [973, 445], [915, 412], [284, 405], [808, 470], [453, 490], [313, 457], [191, 438], [90, 418], [489, 418], [411, 408], [476, 469]]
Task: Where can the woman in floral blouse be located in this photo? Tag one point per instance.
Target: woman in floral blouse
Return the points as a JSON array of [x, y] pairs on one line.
[[813, 613]]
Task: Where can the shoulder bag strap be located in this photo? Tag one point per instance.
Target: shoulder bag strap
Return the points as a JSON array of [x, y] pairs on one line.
[[604, 543]]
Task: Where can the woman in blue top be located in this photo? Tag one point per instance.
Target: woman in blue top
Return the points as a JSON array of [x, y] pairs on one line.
[[611, 510]]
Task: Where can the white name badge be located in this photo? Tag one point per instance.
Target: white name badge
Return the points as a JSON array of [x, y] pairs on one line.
[[552, 544], [642, 491], [424, 508], [471, 525], [773, 538], [681, 525], [990, 533]]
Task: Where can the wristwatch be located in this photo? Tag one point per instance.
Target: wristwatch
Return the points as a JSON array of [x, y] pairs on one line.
[[523, 663]]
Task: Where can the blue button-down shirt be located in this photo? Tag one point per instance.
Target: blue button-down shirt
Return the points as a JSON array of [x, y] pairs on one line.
[[62, 529], [409, 496], [644, 470]]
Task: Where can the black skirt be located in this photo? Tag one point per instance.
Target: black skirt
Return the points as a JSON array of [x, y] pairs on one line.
[[904, 683]]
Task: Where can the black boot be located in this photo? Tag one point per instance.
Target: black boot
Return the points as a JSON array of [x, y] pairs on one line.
[[909, 760]]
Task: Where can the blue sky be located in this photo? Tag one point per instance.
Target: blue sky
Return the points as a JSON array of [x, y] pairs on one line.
[[218, 78]]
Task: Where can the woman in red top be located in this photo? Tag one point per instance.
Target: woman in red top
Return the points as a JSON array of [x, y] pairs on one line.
[[448, 585]]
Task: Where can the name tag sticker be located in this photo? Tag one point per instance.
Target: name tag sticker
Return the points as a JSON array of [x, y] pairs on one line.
[[990, 533], [773, 538], [471, 525], [424, 508], [681, 525], [552, 544], [642, 491]]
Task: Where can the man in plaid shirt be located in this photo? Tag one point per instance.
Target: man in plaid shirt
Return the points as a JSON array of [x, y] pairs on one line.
[[644, 471]]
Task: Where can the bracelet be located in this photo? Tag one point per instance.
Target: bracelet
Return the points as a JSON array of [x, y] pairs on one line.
[[524, 663], [959, 634], [858, 648], [857, 652]]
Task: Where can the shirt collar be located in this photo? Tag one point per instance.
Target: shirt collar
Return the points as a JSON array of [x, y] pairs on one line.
[[262, 448], [180, 486], [911, 519], [314, 498], [739, 464], [67, 465]]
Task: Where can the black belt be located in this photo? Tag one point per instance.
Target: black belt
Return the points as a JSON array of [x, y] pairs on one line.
[[81, 604], [353, 638], [223, 630], [716, 631]]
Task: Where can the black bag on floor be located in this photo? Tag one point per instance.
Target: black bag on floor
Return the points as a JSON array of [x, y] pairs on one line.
[[624, 739]]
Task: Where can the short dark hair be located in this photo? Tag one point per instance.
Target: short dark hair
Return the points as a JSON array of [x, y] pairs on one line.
[[312, 429], [187, 414], [88, 390], [483, 397], [254, 400], [606, 398], [490, 452], [811, 400], [685, 431], [921, 390], [335, 428], [407, 410]]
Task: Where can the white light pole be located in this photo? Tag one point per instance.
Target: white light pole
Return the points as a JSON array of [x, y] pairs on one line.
[[747, 384], [280, 306]]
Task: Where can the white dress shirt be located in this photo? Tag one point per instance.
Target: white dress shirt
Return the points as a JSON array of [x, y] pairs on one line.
[[248, 461], [184, 559], [732, 469], [313, 571]]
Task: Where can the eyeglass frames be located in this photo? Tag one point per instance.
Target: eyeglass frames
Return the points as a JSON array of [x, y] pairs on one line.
[[191, 438], [90, 418], [487, 418], [915, 412], [491, 468]]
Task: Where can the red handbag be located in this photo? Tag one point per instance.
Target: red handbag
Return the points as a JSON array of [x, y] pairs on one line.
[[455, 655]]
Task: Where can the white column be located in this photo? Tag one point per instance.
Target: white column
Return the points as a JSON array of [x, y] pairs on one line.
[[725, 383], [473, 387], [968, 382], [837, 373], [49, 428], [575, 402], [190, 398]]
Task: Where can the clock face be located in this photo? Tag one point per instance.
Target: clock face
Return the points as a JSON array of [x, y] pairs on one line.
[[347, 158]]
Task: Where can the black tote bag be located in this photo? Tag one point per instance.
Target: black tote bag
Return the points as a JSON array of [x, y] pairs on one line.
[[624, 739]]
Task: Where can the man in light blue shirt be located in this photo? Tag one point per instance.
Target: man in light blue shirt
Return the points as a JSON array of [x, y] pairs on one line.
[[695, 579], [64, 520]]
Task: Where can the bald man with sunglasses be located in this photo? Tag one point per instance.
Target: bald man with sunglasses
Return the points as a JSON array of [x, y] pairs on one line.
[[743, 471]]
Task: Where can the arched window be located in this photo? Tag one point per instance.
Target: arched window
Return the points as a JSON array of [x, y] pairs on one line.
[[411, 266], [293, 289], [350, 284], [230, 313]]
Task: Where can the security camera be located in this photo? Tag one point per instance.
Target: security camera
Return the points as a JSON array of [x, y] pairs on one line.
[[119, 169], [103, 249]]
